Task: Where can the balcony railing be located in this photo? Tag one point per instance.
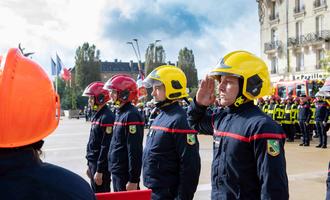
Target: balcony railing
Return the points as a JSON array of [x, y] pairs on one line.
[[299, 9], [309, 38], [319, 3], [272, 45]]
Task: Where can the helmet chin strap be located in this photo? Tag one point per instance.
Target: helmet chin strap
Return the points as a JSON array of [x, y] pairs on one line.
[[164, 103], [240, 99]]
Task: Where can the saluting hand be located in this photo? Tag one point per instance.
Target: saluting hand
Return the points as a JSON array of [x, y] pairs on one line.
[[98, 178], [205, 94]]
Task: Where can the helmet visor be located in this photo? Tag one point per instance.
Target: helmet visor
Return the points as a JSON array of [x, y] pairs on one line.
[[150, 82]]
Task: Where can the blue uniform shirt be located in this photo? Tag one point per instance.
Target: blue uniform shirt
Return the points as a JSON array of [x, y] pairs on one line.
[[125, 154], [248, 157], [100, 138], [171, 157], [23, 176]]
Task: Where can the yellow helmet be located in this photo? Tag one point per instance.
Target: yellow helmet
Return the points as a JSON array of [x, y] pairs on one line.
[[172, 77], [252, 69]]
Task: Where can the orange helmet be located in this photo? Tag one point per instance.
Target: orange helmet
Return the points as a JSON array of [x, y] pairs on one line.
[[96, 90], [27, 113], [125, 86]]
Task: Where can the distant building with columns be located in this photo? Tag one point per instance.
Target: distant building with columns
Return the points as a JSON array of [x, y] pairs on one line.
[[294, 37], [108, 69]]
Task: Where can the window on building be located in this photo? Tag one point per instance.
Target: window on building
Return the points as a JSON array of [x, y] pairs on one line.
[[299, 6], [319, 57], [274, 65], [300, 89], [282, 91], [300, 61], [274, 35], [319, 20], [273, 10], [299, 34], [290, 90]]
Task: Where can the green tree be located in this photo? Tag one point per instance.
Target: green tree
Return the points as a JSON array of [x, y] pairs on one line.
[[60, 86], [87, 65], [154, 57], [186, 62], [326, 62]]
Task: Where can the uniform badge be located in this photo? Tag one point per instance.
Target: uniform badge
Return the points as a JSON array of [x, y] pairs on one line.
[[191, 139], [273, 147], [132, 129], [108, 130]]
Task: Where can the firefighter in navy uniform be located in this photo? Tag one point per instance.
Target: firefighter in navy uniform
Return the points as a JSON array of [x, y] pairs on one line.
[[304, 115], [321, 117], [296, 103], [266, 105], [273, 108], [23, 175], [125, 154], [311, 126], [248, 158], [171, 161], [100, 137], [288, 119]]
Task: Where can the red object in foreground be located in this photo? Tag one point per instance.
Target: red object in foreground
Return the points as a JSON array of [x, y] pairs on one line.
[[136, 195]]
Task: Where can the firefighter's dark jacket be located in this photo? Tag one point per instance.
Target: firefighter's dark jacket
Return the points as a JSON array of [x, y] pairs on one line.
[[321, 112], [100, 138], [24, 176], [125, 154], [171, 157], [245, 164], [304, 112]]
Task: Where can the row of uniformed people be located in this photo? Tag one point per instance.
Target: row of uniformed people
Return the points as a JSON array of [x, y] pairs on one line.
[[299, 114], [170, 159]]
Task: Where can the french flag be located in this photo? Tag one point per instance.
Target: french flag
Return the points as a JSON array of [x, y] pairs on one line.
[[65, 73], [142, 92]]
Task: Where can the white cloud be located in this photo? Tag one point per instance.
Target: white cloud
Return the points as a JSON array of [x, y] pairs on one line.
[[47, 27]]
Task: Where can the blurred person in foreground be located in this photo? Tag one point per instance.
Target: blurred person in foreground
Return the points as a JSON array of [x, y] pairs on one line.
[[24, 175]]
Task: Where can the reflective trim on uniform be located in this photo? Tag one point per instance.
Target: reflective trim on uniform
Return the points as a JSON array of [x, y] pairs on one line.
[[128, 123], [170, 130], [104, 125], [251, 138]]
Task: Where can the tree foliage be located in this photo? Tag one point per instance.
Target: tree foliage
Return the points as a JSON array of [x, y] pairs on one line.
[[154, 57], [186, 62], [326, 62], [87, 65]]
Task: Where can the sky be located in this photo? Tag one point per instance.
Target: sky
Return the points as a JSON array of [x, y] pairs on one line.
[[210, 28]]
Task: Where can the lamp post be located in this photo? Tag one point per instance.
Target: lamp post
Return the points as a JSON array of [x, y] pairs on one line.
[[142, 90], [131, 43]]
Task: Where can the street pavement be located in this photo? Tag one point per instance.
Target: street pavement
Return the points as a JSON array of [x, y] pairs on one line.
[[306, 166]]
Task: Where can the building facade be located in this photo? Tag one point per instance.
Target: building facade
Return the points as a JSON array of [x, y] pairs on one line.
[[294, 36], [108, 69]]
